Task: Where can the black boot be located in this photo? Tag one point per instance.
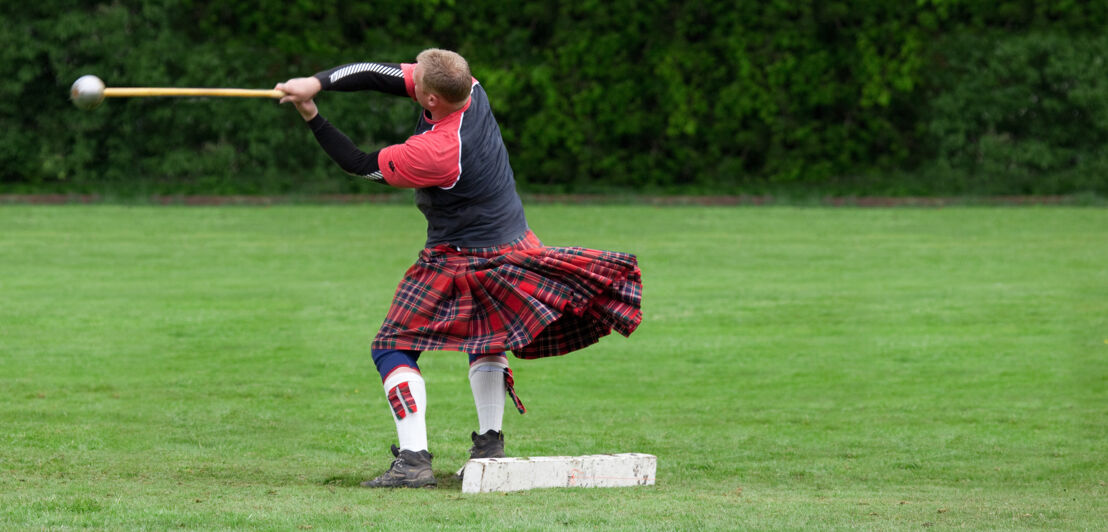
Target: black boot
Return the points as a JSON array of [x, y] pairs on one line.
[[487, 445], [410, 470]]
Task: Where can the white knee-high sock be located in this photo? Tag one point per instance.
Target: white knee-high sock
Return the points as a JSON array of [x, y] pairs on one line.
[[486, 379], [407, 397]]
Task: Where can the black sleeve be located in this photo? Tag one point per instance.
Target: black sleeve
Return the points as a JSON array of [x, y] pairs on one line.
[[381, 77], [343, 151]]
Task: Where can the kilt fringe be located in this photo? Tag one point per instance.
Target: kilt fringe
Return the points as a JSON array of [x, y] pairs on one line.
[[531, 300]]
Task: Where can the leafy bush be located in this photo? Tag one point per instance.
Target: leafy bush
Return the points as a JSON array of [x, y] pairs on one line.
[[1021, 113], [933, 97]]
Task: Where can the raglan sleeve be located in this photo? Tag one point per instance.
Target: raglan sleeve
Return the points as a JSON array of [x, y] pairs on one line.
[[416, 163], [389, 78]]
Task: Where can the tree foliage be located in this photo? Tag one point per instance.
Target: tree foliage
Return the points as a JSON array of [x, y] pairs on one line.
[[960, 96]]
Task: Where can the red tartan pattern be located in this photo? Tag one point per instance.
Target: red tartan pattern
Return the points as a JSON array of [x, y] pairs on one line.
[[510, 385], [531, 300], [401, 400], [406, 397], [397, 406]]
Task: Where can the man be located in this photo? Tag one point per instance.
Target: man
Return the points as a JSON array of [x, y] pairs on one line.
[[484, 284]]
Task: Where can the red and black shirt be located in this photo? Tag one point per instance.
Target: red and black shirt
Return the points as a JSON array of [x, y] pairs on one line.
[[458, 165]]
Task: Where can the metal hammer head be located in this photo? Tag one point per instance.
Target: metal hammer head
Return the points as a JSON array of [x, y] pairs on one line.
[[87, 92]]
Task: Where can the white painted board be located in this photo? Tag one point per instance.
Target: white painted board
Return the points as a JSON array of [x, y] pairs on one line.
[[485, 475]]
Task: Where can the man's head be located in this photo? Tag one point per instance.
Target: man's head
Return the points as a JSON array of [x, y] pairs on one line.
[[443, 74]]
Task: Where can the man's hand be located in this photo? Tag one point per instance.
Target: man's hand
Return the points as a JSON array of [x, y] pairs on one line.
[[307, 109], [299, 90]]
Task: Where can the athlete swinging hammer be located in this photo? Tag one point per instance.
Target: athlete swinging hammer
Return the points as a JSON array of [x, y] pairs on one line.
[[484, 284]]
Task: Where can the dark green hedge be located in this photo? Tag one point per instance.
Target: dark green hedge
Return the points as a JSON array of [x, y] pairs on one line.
[[892, 97]]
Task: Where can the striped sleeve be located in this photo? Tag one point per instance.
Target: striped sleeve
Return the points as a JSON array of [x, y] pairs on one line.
[[382, 77]]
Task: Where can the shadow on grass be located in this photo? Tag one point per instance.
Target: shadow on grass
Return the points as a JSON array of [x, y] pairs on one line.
[[346, 480], [445, 479]]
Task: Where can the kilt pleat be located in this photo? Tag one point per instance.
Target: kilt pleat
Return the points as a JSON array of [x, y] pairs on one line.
[[532, 300]]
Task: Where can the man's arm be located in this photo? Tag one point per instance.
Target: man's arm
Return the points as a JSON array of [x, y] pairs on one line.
[[343, 151], [381, 77]]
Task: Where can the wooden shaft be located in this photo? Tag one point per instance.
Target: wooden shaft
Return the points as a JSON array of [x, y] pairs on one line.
[[134, 92]]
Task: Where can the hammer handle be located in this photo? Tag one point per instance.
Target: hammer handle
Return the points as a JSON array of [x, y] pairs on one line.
[[134, 92]]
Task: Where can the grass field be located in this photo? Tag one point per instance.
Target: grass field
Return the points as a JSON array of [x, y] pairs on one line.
[[797, 368]]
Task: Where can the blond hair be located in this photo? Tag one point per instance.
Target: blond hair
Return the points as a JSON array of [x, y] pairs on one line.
[[445, 73]]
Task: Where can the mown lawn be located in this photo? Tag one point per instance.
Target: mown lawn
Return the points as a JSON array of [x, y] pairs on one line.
[[797, 368]]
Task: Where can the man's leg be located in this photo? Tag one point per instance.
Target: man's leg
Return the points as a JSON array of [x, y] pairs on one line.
[[407, 397], [487, 375]]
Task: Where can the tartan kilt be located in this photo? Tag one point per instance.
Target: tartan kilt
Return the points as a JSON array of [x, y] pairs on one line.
[[522, 297]]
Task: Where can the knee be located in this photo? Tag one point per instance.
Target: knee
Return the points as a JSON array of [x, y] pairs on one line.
[[388, 360], [482, 358]]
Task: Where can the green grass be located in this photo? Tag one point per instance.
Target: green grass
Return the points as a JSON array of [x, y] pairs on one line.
[[797, 368]]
